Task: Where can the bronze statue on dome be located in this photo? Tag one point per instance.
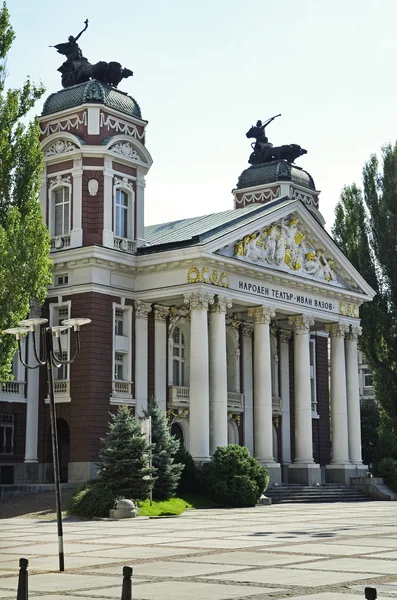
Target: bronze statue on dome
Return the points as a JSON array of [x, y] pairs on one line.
[[76, 69], [264, 152]]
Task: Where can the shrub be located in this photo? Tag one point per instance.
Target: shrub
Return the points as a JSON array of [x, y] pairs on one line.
[[164, 449], [188, 482], [234, 477], [91, 499], [387, 468]]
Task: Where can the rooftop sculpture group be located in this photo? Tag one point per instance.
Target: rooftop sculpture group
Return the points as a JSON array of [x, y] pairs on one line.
[[264, 152], [76, 69]]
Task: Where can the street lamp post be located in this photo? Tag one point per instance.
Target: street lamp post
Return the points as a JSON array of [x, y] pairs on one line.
[[46, 355]]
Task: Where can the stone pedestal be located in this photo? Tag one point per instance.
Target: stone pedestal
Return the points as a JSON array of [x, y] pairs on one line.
[[305, 474]]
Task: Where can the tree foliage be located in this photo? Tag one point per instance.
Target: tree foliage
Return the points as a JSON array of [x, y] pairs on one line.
[[165, 447], [24, 240], [123, 464], [365, 228]]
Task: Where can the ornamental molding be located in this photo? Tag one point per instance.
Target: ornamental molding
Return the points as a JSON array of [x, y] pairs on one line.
[[354, 333], [221, 304], [140, 179], [248, 329], [178, 313], [260, 196], [123, 182], [337, 330], [161, 312], [206, 275], [65, 124], [120, 126], [142, 309], [301, 323], [93, 187], [233, 322], [78, 163], [285, 246], [126, 150], [285, 336], [349, 310], [262, 314], [60, 147], [308, 199], [199, 300], [59, 180]]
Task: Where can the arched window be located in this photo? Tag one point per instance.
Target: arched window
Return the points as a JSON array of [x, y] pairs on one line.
[[61, 212], [121, 214], [178, 357]]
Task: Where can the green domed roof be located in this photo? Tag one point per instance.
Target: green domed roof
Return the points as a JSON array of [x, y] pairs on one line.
[[91, 92], [277, 170]]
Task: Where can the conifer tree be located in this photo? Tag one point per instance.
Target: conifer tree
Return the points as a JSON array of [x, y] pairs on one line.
[[124, 458], [165, 446], [25, 266]]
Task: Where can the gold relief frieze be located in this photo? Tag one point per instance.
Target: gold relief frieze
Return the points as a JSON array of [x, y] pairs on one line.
[[206, 275], [349, 310]]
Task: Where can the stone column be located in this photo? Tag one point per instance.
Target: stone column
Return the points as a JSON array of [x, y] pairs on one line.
[[160, 355], [76, 234], [32, 404], [248, 329], [199, 375], [108, 209], [353, 397], [285, 337], [218, 373], [303, 470], [142, 309], [337, 471], [263, 408]]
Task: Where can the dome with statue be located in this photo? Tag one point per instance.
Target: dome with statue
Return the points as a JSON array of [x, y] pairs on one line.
[[275, 171]]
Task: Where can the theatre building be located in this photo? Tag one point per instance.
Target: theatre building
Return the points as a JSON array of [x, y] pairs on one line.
[[243, 324]]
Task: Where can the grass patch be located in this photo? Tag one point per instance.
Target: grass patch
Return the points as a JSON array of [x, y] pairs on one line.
[[196, 501], [173, 506]]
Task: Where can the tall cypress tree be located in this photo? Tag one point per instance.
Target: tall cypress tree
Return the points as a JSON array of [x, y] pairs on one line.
[[365, 228], [25, 266], [124, 458], [165, 446]]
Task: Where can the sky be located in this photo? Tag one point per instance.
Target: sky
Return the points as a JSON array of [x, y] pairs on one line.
[[204, 72]]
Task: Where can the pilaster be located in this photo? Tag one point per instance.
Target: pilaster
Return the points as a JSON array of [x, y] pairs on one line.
[[160, 354], [108, 203], [140, 209], [248, 330], [76, 234], [142, 310], [284, 338]]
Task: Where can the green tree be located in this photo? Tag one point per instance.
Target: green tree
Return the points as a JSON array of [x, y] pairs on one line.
[[123, 464], [165, 447], [25, 266], [365, 228]]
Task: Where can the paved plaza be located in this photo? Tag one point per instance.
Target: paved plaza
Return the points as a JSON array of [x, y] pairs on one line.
[[324, 551]]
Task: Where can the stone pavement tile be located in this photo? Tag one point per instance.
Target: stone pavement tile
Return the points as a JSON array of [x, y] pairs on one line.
[[320, 548], [358, 565], [292, 577], [135, 552], [218, 543], [51, 548], [383, 588], [64, 582], [133, 539], [50, 563], [172, 569], [368, 541], [327, 596], [182, 590], [388, 554], [8, 594], [249, 558]]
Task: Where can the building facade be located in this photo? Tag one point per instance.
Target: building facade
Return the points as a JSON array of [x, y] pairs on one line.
[[228, 319]]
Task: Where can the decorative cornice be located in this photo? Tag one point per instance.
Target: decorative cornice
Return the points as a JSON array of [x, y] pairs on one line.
[[262, 314], [59, 180], [64, 124], [285, 336], [199, 300], [354, 333], [142, 309], [161, 312], [120, 126], [248, 329], [221, 304], [337, 329], [301, 323]]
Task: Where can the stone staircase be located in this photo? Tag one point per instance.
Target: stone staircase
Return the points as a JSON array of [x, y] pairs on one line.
[[294, 493]]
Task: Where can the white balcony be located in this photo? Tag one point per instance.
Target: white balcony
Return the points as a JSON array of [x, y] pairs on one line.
[[121, 388], [12, 390], [235, 402], [61, 391], [179, 397], [124, 245], [60, 242]]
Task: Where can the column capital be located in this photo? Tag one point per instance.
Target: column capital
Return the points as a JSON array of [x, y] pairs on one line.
[[142, 309], [285, 336], [221, 304], [337, 329], [161, 312], [354, 333], [262, 314], [199, 300], [248, 329], [301, 323]]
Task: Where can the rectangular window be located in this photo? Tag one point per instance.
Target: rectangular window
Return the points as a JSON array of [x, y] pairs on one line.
[[368, 379], [119, 366], [119, 321], [6, 434], [61, 212], [61, 373], [62, 280], [121, 217]]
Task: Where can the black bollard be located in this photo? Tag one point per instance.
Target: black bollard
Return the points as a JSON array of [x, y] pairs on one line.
[[22, 593], [370, 593], [126, 591]]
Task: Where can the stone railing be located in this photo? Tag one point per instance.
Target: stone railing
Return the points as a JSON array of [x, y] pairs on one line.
[[124, 244], [235, 402], [62, 387], [122, 388], [179, 395], [13, 388], [60, 242]]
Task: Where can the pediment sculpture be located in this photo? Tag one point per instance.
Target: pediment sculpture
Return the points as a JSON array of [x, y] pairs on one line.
[[285, 246]]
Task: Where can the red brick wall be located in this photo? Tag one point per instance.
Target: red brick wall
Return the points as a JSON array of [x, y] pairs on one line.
[[92, 210], [17, 409]]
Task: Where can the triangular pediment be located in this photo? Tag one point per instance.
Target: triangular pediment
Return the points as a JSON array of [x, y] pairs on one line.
[[295, 244]]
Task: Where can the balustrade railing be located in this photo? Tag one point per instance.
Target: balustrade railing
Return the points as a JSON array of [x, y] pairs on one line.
[[124, 245], [14, 388], [122, 388], [62, 387], [60, 242]]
